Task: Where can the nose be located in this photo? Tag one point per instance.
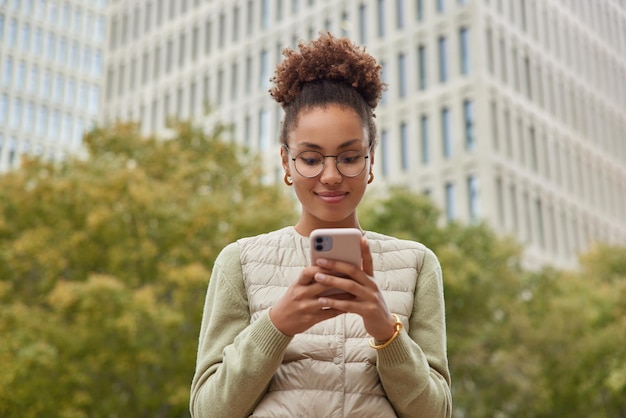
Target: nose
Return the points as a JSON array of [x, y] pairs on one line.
[[330, 173]]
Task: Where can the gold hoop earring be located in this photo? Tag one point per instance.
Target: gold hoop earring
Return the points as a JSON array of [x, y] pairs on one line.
[[287, 179], [371, 179]]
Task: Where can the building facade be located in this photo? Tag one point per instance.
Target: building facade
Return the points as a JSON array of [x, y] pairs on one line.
[[509, 111], [52, 72]]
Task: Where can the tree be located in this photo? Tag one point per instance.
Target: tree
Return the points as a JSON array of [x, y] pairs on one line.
[[521, 344], [104, 263]]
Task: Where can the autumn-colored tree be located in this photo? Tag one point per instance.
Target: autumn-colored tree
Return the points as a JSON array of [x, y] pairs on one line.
[[104, 263]]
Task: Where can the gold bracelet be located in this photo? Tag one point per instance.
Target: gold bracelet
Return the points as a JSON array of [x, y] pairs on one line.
[[398, 326]]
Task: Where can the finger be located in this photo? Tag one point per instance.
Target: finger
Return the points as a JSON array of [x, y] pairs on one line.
[[306, 276], [346, 284], [366, 258]]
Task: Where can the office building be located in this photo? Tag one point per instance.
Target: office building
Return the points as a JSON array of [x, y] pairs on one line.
[[52, 71], [509, 111]]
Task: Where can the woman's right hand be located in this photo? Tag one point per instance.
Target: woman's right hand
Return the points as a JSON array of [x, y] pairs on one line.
[[299, 308]]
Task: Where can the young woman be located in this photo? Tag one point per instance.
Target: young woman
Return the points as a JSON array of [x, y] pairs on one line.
[[271, 345]]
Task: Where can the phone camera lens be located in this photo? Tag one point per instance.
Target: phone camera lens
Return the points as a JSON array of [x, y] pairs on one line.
[[319, 240], [319, 247]]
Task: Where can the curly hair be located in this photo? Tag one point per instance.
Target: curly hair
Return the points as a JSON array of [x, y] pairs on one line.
[[327, 71]]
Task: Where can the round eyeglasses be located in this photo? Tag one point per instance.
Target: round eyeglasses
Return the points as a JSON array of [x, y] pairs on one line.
[[310, 164]]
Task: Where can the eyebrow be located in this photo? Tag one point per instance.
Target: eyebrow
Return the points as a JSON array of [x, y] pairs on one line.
[[346, 144]]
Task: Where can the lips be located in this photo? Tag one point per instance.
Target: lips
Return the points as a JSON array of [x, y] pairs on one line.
[[332, 197]]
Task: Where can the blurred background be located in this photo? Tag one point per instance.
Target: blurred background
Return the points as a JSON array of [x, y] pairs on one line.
[[138, 137]]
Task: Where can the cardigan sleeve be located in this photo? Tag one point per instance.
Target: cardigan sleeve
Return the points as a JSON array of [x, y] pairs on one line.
[[236, 360], [414, 367]]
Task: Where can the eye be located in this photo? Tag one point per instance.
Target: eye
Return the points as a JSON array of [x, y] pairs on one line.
[[310, 158], [350, 157]]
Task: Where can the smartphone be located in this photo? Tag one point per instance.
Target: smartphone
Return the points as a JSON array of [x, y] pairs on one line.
[[341, 244]]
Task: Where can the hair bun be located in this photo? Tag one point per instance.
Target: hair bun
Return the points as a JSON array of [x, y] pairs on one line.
[[327, 58]]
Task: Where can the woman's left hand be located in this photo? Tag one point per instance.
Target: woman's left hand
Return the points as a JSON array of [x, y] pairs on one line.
[[368, 301]]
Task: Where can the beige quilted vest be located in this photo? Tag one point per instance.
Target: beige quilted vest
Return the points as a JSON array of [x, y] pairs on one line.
[[330, 370]]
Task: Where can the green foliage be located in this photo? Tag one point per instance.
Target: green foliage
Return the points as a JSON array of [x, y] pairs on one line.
[[104, 264], [520, 344]]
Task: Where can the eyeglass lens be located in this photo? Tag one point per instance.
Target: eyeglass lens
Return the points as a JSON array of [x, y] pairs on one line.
[[311, 163]]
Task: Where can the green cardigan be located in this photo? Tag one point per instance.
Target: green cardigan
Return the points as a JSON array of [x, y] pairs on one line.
[[236, 359]]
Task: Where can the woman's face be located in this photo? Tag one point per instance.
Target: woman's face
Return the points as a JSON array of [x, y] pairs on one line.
[[329, 199]]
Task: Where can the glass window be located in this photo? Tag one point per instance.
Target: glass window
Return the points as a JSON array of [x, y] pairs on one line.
[[94, 99], [145, 73], [58, 88], [443, 62], [399, 14], [46, 83], [16, 113], [53, 13], [419, 9], [147, 23], [404, 146], [402, 80], [182, 49], [12, 33], [157, 62], [264, 129], [100, 29], [75, 55], [265, 74], [33, 79], [279, 10], [78, 132], [121, 84], [472, 195], [50, 46], [1, 27], [87, 60], [78, 17], [363, 24], [21, 75], [421, 64], [25, 41], [38, 42], [441, 6], [169, 52], [445, 132], [384, 148], [7, 71], [425, 139], [464, 45], [265, 14], [70, 91], [65, 15], [97, 63], [4, 108], [66, 128], [29, 117], [450, 202], [83, 95], [381, 17], [55, 125], [221, 35], [249, 16], [42, 120], [468, 117], [159, 12], [62, 55]]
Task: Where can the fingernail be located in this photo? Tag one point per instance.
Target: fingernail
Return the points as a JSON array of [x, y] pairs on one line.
[[320, 277], [322, 261]]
